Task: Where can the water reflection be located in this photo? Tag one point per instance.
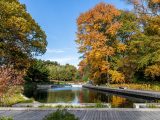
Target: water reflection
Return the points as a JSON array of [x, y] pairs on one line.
[[83, 95], [117, 101]]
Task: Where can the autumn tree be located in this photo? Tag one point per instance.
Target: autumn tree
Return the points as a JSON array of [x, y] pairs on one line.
[[21, 38], [9, 77], [146, 7], [10, 82], [97, 40], [145, 47]]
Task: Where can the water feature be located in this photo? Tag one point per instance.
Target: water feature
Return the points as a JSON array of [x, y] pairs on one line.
[[84, 95]]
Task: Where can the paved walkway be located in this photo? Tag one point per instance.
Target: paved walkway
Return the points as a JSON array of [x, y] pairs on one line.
[[87, 114]]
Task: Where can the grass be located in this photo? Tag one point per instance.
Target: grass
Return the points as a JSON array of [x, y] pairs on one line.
[[13, 96], [27, 101], [139, 86], [8, 101]]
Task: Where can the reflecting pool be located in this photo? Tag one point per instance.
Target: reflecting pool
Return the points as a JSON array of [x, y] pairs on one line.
[[84, 95]]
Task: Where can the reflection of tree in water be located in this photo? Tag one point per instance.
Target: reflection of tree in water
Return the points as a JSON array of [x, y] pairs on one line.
[[40, 95], [90, 96], [83, 96], [78, 95], [60, 96], [95, 96], [117, 101]]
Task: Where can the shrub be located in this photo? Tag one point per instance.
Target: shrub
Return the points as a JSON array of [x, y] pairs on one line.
[[9, 78], [60, 115], [99, 105], [6, 118]]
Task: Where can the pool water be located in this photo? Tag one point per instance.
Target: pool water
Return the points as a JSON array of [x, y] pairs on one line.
[[84, 95]]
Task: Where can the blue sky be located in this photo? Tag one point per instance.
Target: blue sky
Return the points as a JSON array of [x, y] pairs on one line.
[[58, 19]]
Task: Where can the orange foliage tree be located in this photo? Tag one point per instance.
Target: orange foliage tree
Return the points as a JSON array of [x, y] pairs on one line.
[[97, 40]]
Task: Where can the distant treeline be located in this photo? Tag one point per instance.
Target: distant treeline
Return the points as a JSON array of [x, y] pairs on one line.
[[43, 71]]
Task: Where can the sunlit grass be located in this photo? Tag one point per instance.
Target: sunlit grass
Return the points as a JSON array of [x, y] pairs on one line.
[[13, 96], [139, 86]]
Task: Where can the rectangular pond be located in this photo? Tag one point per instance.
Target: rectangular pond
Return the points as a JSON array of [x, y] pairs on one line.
[[84, 95]]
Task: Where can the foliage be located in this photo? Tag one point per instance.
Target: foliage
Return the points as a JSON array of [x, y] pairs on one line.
[[153, 71], [122, 45], [50, 63], [99, 105], [37, 72], [6, 118], [62, 72], [97, 30], [43, 71], [77, 76], [116, 77], [139, 86], [144, 48], [9, 78], [146, 6], [60, 115], [21, 37]]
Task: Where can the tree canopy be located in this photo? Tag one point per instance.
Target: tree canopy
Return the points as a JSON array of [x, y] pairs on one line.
[[37, 72], [97, 39], [145, 47], [45, 71], [62, 72], [21, 38], [118, 45]]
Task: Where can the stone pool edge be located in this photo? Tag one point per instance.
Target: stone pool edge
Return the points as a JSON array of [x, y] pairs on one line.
[[89, 109], [128, 92]]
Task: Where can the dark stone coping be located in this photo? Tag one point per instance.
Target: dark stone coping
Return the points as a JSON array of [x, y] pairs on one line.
[[128, 92]]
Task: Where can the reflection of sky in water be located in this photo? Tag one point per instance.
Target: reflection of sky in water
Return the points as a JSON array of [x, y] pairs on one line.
[[83, 95], [76, 100], [65, 88]]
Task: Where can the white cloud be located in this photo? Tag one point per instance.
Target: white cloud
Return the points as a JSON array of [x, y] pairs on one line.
[[49, 50]]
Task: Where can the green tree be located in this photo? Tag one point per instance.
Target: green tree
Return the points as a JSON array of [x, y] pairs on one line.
[[70, 72], [21, 38], [62, 72], [145, 46], [37, 72], [130, 28]]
